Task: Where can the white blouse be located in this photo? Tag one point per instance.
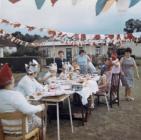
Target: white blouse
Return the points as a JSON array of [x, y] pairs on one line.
[[29, 86], [11, 101]]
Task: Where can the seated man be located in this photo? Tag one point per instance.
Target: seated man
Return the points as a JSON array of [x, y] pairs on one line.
[[28, 85], [12, 101]]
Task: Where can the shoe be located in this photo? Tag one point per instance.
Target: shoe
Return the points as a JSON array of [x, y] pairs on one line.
[[130, 98]]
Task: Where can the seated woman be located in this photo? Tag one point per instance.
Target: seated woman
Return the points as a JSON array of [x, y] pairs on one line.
[[53, 74], [28, 85], [76, 71], [12, 101], [64, 74], [103, 83]]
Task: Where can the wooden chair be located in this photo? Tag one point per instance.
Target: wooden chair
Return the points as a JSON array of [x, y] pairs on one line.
[[24, 134], [114, 89], [78, 107]]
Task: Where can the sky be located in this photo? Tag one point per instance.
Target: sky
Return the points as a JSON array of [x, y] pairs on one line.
[[64, 16]]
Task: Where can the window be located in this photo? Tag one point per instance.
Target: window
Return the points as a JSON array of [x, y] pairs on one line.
[[98, 50]]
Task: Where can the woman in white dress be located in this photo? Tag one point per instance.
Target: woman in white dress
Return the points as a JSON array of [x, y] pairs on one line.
[[28, 85], [12, 101]]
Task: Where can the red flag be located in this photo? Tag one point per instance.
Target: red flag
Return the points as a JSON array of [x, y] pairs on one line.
[[53, 2], [30, 28], [129, 36], [75, 37], [83, 37], [14, 1], [111, 36], [16, 25], [5, 21], [118, 37], [97, 37]]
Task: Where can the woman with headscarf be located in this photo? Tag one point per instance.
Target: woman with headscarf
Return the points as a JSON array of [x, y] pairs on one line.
[[12, 101], [28, 85], [128, 65]]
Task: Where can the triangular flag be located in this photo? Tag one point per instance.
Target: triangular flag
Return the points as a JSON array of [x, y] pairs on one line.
[[133, 3], [14, 1], [99, 6], [108, 5], [74, 2], [123, 5], [53, 2], [39, 3]]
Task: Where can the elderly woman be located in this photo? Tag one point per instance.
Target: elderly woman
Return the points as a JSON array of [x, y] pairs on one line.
[[12, 101], [127, 69], [28, 85]]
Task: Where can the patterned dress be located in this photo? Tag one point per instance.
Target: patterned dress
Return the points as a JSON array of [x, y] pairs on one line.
[[128, 69]]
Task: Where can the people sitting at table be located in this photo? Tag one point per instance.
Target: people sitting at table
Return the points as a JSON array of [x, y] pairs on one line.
[[64, 75], [28, 85], [76, 71], [45, 76], [53, 74], [13, 101]]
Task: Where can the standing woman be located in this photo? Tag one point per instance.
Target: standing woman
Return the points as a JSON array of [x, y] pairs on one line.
[[82, 60], [128, 65]]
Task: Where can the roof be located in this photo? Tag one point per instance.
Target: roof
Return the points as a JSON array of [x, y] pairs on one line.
[[46, 42]]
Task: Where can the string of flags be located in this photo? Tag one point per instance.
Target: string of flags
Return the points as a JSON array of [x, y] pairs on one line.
[[72, 39], [6, 36], [101, 5], [122, 5], [39, 3]]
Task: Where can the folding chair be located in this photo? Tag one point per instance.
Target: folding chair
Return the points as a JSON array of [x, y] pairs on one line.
[[103, 93]]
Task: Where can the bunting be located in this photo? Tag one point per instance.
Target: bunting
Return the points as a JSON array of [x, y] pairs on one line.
[[133, 3], [14, 1], [39, 3], [99, 6], [13, 39], [53, 2], [122, 5], [108, 5]]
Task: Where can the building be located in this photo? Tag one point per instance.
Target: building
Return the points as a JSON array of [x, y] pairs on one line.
[[49, 49]]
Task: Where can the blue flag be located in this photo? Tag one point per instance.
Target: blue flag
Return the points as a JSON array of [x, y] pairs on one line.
[[99, 6], [133, 3], [39, 3]]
